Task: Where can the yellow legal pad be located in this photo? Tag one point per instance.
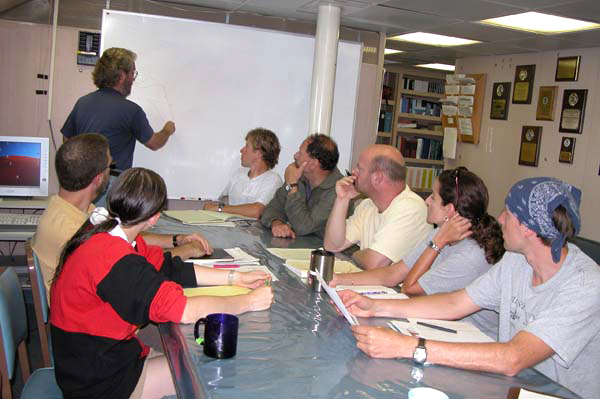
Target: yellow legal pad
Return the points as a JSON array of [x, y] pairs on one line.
[[218, 290]]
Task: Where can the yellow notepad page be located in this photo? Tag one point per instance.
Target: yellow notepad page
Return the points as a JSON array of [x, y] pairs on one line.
[[218, 290]]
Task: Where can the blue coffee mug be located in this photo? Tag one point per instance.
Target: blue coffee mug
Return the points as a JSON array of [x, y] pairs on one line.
[[220, 334]]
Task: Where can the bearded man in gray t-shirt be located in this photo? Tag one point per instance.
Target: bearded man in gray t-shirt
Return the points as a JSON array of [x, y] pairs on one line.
[[545, 290]]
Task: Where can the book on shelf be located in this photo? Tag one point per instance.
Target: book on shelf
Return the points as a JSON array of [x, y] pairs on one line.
[[420, 107], [385, 121], [419, 178], [425, 86], [420, 148]]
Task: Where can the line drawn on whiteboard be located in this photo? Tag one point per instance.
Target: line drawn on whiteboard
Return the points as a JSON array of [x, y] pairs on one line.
[[156, 99]]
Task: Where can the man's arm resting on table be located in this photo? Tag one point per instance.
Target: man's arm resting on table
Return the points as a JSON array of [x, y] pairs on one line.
[[253, 210], [159, 139], [509, 358], [369, 259]]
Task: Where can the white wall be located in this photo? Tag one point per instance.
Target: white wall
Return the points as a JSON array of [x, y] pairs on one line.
[[495, 158], [25, 52]]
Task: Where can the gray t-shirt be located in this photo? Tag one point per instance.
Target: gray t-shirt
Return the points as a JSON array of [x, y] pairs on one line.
[[564, 312], [453, 269]]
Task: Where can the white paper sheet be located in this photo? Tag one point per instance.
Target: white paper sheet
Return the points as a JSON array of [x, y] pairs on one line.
[[337, 300]]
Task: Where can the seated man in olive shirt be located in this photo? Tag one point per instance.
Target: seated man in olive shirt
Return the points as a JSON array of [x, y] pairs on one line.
[[302, 205]]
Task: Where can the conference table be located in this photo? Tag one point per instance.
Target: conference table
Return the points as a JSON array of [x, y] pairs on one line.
[[302, 348]]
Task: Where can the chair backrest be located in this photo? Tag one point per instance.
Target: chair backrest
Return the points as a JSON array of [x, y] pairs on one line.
[[40, 303], [40, 286], [13, 318]]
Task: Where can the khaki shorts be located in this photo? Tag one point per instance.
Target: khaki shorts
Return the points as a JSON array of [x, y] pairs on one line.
[[139, 388]]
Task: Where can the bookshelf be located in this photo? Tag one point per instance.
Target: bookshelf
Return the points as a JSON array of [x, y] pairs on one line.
[[414, 124]]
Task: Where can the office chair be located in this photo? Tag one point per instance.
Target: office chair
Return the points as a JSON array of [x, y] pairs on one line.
[[13, 331], [40, 303]]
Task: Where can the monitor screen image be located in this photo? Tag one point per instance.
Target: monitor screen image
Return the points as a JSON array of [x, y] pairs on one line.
[[23, 166]]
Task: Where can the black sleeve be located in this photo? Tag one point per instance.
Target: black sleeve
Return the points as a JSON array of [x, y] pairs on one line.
[[174, 269], [130, 287]]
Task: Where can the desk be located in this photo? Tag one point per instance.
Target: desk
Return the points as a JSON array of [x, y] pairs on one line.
[[301, 348]]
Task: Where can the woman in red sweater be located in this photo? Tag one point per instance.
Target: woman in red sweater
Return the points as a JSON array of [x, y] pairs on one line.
[[109, 282]]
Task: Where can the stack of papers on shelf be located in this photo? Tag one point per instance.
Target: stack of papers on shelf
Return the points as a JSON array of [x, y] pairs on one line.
[[440, 330], [233, 257], [301, 267], [218, 290], [205, 218], [373, 291]]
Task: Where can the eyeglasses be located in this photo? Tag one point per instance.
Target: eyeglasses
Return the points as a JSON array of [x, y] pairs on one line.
[[135, 74]]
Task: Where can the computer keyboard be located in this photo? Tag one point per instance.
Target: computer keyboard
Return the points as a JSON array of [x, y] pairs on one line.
[[19, 219]]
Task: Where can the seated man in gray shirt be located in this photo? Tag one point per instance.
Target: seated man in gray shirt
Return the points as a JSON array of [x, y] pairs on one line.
[[545, 290], [302, 205]]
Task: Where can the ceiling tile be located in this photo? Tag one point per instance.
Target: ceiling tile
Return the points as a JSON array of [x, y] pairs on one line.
[[481, 32], [530, 4], [589, 37], [546, 43], [466, 10], [401, 20], [588, 10]]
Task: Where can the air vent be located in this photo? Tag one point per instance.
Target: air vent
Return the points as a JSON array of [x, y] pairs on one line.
[[88, 48]]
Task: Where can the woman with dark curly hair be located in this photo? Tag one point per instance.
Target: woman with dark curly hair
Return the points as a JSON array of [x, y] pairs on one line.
[[466, 242]]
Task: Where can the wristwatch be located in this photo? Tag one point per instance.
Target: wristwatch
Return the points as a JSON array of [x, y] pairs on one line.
[[420, 353], [289, 186], [220, 207], [434, 246]]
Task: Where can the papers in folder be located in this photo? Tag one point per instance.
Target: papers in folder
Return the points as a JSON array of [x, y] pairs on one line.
[[207, 218], [440, 330], [235, 256], [297, 260], [292, 253]]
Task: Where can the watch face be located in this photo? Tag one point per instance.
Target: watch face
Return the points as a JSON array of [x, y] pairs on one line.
[[288, 187], [420, 355]]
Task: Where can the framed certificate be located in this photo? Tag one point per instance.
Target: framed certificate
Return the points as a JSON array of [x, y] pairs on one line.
[[567, 69], [524, 75], [567, 150], [529, 151], [545, 106], [573, 111], [500, 100]]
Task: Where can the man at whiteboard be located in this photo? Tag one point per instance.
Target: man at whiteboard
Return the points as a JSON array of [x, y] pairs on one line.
[[302, 205], [108, 112], [252, 186]]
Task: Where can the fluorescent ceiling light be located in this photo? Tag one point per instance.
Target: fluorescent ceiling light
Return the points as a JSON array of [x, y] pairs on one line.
[[433, 39], [392, 51], [443, 67], [540, 23]]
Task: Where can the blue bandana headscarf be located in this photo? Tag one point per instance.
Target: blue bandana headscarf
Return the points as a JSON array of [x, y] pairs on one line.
[[533, 202]]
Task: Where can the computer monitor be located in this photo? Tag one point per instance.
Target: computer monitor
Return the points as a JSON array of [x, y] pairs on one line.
[[23, 166]]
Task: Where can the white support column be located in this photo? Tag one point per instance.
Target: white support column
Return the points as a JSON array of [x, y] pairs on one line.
[[323, 77]]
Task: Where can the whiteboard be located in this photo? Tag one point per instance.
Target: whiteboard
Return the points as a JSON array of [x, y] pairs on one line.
[[216, 82]]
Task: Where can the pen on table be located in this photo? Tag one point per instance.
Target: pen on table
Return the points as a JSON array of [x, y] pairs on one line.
[[445, 329], [225, 266], [190, 198], [373, 292]]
